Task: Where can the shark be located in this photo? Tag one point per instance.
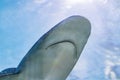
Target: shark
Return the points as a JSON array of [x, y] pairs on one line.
[[55, 54]]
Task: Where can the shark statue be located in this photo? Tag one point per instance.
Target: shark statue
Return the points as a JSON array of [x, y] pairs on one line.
[[55, 54]]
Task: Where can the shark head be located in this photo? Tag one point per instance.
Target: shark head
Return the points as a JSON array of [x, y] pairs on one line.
[[55, 54]]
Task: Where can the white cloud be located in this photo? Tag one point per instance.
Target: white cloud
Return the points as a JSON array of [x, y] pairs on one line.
[[39, 1]]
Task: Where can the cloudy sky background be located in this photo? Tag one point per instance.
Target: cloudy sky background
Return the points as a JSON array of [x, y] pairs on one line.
[[23, 22]]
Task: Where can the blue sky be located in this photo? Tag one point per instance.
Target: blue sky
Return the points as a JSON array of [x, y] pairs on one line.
[[23, 22]]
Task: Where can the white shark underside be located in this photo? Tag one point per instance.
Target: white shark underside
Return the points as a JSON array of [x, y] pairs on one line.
[[54, 55]]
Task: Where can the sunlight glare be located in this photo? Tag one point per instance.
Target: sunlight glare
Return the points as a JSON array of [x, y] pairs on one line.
[[73, 2], [70, 3]]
